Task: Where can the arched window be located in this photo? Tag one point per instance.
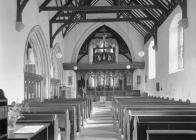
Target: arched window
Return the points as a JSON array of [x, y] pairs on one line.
[[176, 48], [151, 61]]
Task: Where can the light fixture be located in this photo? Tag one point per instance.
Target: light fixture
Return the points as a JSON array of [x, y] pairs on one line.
[[59, 55], [128, 67], [141, 54], [75, 67]]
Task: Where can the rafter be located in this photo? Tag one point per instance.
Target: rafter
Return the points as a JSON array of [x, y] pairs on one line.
[[153, 31], [94, 2], [144, 15], [141, 23], [44, 4], [145, 11]]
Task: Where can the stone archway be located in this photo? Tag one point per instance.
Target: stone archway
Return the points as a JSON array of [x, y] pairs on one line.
[[113, 26], [36, 39]]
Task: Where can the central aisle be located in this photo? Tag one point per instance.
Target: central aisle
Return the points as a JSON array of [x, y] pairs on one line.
[[100, 125]]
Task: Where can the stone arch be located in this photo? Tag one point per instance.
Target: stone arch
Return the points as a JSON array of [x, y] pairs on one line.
[[92, 28], [38, 42]]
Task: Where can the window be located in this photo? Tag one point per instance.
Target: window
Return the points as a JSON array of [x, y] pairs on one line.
[[176, 47], [151, 61]]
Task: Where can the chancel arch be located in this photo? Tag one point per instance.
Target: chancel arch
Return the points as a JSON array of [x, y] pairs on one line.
[[104, 45], [102, 48], [92, 28], [36, 66]]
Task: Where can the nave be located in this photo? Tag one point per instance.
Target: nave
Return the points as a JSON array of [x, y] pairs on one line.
[[123, 118], [59, 58], [100, 126]]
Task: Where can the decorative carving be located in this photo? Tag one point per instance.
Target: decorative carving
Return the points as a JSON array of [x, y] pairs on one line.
[[105, 55], [104, 52]]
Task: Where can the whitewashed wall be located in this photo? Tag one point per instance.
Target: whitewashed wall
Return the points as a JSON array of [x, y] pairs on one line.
[[12, 45], [180, 85]]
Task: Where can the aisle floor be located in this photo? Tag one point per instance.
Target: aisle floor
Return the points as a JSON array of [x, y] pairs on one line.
[[100, 125]]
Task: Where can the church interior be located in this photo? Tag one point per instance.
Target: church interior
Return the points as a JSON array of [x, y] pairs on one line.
[[97, 69]]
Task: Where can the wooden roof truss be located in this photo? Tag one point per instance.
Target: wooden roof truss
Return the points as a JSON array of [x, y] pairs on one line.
[[144, 15]]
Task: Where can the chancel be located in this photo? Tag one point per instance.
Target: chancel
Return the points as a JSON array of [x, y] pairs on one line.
[[97, 69]]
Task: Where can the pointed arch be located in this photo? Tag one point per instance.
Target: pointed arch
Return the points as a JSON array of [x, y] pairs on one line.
[[37, 84], [92, 28], [37, 40]]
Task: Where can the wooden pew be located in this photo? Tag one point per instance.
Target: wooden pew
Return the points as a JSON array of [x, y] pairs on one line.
[[85, 105], [129, 118], [87, 101], [77, 106], [61, 111], [43, 118], [152, 106], [121, 102], [170, 122], [143, 104], [171, 134]]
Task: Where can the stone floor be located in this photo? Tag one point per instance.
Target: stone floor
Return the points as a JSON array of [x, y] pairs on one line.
[[100, 125]]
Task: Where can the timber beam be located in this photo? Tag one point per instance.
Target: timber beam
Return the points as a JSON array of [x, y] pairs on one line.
[[53, 35], [101, 20], [20, 7], [98, 8], [119, 66]]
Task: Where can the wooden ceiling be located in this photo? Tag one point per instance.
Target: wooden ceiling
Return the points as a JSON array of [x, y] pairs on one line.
[[144, 15]]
